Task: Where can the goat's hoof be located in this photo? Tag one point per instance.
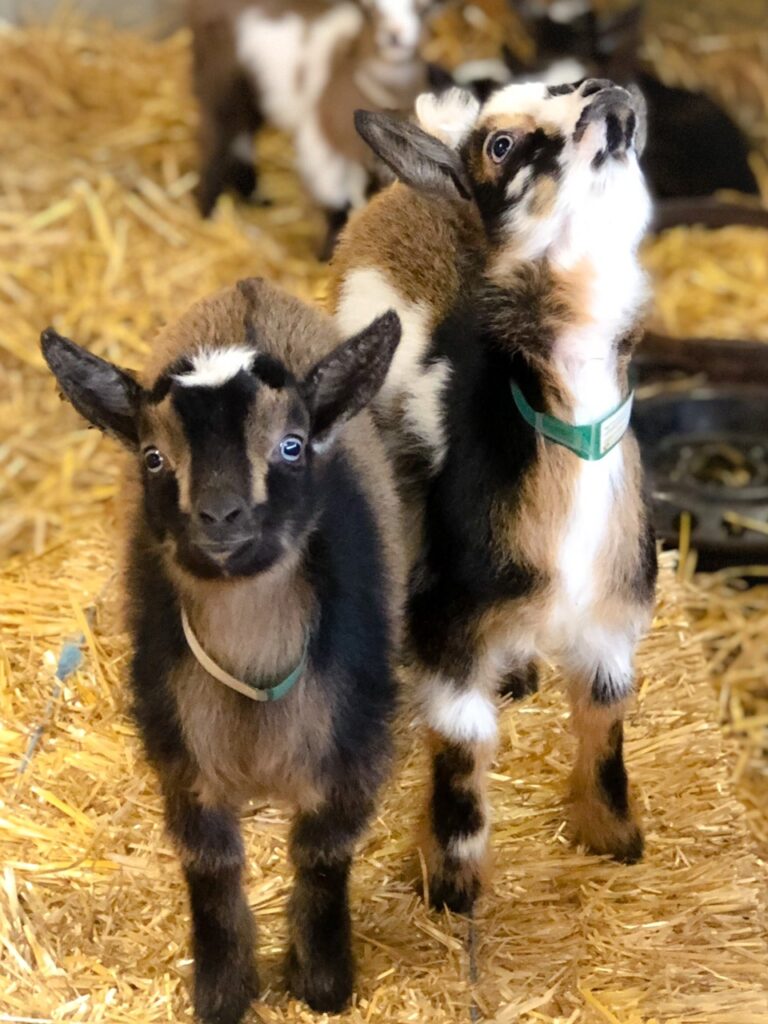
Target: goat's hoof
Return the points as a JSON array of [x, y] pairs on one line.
[[325, 982], [520, 683], [242, 178], [223, 996], [457, 894], [601, 832]]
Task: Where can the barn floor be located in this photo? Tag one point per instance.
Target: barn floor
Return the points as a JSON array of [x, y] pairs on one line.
[[98, 236]]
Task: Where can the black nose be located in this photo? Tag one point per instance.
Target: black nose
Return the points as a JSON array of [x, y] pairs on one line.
[[592, 85], [221, 509], [616, 108]]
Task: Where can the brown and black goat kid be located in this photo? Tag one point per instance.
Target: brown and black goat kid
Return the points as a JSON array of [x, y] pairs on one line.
[[509, 250], [264, 601]]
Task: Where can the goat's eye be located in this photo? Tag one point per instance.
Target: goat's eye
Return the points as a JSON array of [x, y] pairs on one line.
[[291, 448], [153, 460], [499, 147]]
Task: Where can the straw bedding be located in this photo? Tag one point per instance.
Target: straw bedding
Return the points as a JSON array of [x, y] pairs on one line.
[[98, 235]]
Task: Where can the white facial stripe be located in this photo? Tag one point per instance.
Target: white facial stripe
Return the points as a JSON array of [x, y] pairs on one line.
[[213, 367], [464, 717]]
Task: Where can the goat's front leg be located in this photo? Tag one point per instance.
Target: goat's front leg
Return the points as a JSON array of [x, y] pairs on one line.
[[223, 934], [602, 813], [462, 733], [320, 965]]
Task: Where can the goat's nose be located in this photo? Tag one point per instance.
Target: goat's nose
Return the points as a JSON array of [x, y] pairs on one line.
[[221, 508], [592, 85]]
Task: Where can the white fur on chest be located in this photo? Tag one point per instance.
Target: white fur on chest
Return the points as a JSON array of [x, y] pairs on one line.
[[290, 58]]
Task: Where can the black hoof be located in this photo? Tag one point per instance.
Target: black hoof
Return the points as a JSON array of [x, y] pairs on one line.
[[632, 850], [242, 178], [520, 683], [223, 997], [325, 983], [458, 897]]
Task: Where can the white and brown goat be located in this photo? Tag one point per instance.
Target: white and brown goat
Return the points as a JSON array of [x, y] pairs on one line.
[[509, 250], [304, 66], [262, 545]]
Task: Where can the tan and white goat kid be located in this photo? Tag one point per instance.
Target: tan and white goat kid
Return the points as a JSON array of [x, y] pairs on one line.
[[303, 66], [509, 250]]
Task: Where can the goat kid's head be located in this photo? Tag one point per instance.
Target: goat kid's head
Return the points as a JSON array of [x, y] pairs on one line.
[[230, 445], [551, 168], [398, 27]]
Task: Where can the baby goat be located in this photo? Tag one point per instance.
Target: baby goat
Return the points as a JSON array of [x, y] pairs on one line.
[[304, 67], [509, 250], [264, 595]]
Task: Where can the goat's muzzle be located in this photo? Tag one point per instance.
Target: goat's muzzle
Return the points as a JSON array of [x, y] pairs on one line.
[[619, 109]]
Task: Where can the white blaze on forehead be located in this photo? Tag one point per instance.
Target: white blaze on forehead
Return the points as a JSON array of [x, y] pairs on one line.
[[449, 117], [212, 367]]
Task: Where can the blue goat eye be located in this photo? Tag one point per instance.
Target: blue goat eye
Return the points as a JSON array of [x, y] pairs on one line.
[[291, 448]]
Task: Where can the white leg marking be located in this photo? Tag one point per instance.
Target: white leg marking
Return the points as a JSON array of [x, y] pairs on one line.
[[471, 847], [607, 654], [463, 717]]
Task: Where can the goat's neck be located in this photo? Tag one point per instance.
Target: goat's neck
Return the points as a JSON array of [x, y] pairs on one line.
[[579, 343], [254, 625]]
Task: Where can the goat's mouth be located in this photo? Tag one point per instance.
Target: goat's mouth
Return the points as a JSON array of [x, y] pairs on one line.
[[245, 556]]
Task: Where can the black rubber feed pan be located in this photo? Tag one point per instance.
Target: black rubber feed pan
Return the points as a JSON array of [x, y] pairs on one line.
[[706, 453]]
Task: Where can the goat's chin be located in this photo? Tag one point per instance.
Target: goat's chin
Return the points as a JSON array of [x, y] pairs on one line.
[[248, 559]]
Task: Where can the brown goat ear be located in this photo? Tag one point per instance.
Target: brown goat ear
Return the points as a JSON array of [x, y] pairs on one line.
[[343, 383], [105, 395], [417, 158]]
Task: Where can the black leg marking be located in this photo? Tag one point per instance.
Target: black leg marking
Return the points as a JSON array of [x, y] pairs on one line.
[[613, 775], [455, 810], [456, 814], [604, 690], [223, 932], [320, 965], [520, 683]]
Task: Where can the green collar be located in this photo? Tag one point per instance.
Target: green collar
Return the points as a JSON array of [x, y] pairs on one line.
[[259, 693], [589, 441]]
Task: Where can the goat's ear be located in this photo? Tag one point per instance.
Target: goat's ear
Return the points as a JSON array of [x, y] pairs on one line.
[[641, 110], [343, 383], [105, 395], [418, 159]]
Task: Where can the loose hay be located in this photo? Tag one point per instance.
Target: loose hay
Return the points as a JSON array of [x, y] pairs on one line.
[[711, 284], [99, 236], [93, 923]]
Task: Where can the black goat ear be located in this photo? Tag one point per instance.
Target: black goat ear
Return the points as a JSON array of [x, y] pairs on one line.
[[107, 396], [416, 158], [343, 383]]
